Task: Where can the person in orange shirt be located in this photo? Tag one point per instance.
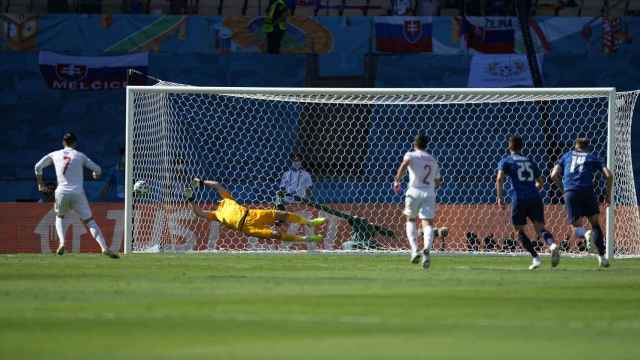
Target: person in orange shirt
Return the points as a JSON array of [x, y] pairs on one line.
[[253, 222]]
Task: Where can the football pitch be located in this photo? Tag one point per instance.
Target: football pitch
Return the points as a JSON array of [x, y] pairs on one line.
[[309, 306]]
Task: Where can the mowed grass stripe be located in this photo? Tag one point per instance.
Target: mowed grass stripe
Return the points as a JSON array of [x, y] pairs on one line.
[[315, 307]]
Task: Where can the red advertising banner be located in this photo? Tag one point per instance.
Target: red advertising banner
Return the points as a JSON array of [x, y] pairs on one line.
[[29, 228]]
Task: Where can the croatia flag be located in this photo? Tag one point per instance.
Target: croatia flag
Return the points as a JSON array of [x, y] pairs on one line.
[[403, 34], [487, 35]]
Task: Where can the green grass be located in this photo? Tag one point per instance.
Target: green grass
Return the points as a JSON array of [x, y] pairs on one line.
[[315, 307]]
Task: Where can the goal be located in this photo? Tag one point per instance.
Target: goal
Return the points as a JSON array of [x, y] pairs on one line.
[[352, 141]]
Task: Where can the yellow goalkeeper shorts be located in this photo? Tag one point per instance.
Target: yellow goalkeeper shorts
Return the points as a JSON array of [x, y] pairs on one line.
[[258, 223]]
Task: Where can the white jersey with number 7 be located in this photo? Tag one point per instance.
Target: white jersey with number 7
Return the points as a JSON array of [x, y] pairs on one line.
[[69, 164], [423, 170]]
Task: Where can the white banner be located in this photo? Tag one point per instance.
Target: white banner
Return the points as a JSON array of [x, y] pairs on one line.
[[501, 70]]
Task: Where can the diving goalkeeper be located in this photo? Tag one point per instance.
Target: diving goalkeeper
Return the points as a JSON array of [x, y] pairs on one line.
[[253, 222]]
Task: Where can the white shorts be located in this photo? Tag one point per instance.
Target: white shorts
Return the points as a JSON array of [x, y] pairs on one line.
[[420, 203], [75, 201]]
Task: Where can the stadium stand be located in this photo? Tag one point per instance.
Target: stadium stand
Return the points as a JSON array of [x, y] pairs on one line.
[[322, 7]]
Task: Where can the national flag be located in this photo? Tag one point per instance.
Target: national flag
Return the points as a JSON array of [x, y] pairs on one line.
[[403, 34], [488, 35], [67, 72]]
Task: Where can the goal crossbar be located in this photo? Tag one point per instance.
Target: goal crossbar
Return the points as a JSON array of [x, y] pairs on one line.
[[177, 108]]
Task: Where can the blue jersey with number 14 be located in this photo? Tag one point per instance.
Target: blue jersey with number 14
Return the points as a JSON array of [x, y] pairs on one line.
[[523, 174], [578, 169]]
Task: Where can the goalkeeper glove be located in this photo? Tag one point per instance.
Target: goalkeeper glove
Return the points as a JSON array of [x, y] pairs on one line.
[[188, 194], [196, 183]]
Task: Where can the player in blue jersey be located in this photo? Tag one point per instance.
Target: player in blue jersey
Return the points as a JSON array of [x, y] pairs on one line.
[[526, 202], [573, 174]]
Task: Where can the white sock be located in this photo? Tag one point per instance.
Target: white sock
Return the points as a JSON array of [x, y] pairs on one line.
[[94, 229], [60, 230], [580, 231], [428, 236], [412, 234]]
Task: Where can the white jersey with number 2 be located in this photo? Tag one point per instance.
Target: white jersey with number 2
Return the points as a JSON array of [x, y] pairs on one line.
[[69, 164], [423, 170]]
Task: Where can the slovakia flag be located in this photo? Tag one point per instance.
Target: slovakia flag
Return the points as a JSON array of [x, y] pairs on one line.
[[403, 34]]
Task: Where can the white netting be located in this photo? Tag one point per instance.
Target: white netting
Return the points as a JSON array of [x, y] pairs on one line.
[[352, 143], [627, 223]]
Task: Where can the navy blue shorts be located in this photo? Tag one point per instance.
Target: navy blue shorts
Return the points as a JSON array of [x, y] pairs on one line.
[[580, 203], [527, 208]]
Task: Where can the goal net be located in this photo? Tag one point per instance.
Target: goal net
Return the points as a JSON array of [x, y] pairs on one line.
[[351, 141]]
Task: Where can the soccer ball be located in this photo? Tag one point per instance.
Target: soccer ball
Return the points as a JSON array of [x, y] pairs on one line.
[[140, 188]]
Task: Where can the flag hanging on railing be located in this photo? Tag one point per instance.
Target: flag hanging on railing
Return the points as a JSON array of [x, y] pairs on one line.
[[501, 70], [487, 35], [65, 72], [403, 34]]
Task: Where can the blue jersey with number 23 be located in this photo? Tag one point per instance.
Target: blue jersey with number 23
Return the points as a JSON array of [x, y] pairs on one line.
[[523, 174]]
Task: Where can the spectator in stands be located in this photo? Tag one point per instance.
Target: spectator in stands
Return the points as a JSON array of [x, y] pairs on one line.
[[296, 180], [114, 189], [275, 25]]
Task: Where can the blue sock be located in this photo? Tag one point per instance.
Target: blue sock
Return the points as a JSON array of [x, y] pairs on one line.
[[526, 243], [547, 237], [598, 239]]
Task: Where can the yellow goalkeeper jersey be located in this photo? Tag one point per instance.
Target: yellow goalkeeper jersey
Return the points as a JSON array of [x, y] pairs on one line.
[[229, 213]]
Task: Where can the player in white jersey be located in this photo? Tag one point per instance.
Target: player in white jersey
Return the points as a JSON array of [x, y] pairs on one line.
[[69, 195], [420, 198]]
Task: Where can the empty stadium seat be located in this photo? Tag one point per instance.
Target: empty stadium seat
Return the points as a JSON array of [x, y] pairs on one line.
[[450, 12], [305, 10], [19, 6], [111, 6], [158, 7], [382, 7], [232, 8], [329, 7], [209, 7], [592, 8], [253, 8]]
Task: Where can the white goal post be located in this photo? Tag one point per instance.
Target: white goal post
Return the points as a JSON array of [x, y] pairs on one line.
[[351, 141]]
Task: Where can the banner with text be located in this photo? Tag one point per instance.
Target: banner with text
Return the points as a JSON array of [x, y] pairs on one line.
[[30, 228], [66, 72]]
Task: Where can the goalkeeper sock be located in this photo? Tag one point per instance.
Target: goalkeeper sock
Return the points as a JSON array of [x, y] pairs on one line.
[[412, 234], [60, 230], [94, 229], [296, 219], [526, 243], [290, 237], [547, 237], [428, 236], [598, 239]]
